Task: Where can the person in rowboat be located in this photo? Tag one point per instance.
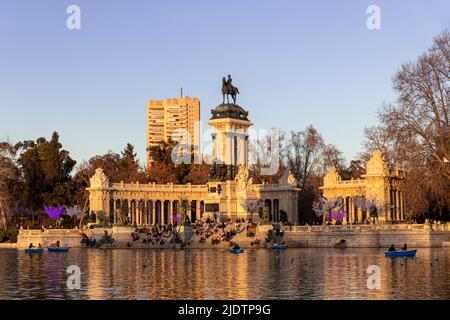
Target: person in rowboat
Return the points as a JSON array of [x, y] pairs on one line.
[[405, 247], [31, 246], [392, 248]]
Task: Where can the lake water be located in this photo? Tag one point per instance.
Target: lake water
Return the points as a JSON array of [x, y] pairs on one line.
[[217, 274]]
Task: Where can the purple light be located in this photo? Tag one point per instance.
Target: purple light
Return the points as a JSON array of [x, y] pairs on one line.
[[176, 218], [54, 212], [337, 215]]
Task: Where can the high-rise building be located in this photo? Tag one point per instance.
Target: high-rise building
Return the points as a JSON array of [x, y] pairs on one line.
[[172, 118]]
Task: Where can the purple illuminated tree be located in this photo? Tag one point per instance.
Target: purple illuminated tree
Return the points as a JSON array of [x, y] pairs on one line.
[[176, 218], [338, 216], [54, 212]]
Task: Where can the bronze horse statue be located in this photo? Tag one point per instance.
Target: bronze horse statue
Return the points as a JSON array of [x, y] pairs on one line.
[[228, 89]]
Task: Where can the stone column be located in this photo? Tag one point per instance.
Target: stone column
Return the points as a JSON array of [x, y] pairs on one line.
[[395, 205], [133, 212], [147, 217], [153, 212], [140, 213], [136, 212], [402, 212], [170, 211], [197, 209], [213, 145], [114, 211], [351, 210], [230, 148], [163, 220], [188, 209], [346, 208], [241, 149], [143, 220], [129, 213], [246, 150]]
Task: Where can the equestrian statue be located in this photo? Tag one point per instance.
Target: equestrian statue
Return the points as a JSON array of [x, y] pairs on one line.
[[228, 89]]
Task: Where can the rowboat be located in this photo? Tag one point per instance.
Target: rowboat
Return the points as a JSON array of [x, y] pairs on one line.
[[279, 247], [237, 250], [58, 249], [34, 250], [400, 253]]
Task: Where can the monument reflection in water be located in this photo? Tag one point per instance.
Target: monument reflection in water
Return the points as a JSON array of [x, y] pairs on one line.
[[215, 274]]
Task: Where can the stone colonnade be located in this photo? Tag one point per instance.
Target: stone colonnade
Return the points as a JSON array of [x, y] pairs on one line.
[[144, 212], [394, 211]]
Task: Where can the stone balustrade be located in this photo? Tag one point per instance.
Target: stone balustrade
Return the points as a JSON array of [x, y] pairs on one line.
[[159, 187], [367, 236], [377, 227]]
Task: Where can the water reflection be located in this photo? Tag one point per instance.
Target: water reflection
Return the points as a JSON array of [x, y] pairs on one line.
[[216, 274]]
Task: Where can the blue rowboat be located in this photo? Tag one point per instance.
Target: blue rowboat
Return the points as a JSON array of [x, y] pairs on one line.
[[400, 253], [236, 250], [279, 247], [34, 250], [58, 249]]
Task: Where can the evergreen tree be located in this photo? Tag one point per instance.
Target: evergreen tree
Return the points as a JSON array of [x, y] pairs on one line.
[[129, 161], [46, 169]]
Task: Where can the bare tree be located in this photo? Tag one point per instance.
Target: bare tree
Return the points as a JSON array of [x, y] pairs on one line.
[[8, 180], [306, 153], [415, 130], [266, 157], [303, 152]]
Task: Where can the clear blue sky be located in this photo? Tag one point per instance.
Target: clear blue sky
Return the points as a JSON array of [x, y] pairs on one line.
[[295, 62]]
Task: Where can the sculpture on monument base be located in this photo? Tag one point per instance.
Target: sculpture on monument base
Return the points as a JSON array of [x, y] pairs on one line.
[[242, 178], [228, 89]]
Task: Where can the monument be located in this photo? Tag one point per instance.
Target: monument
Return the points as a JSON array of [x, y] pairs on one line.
[[230, 185]]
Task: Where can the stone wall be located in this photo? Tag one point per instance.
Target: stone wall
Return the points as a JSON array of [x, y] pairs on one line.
[[356, 236], [381, 236], [8, 245], [69, 237]]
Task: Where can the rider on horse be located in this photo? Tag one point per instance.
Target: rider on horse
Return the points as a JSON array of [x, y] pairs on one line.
[[229, 89]]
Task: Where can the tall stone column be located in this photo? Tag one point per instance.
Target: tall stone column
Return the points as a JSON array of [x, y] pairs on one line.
[[139, 212], [114, 211], [246, 150], [153, 212], [129, 213], [402, 213], [346, 201], [214, 145], [133, 212], [170, 211], [188, 209], [395, 205], [197, 209], [229, 146], [241, 149]]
